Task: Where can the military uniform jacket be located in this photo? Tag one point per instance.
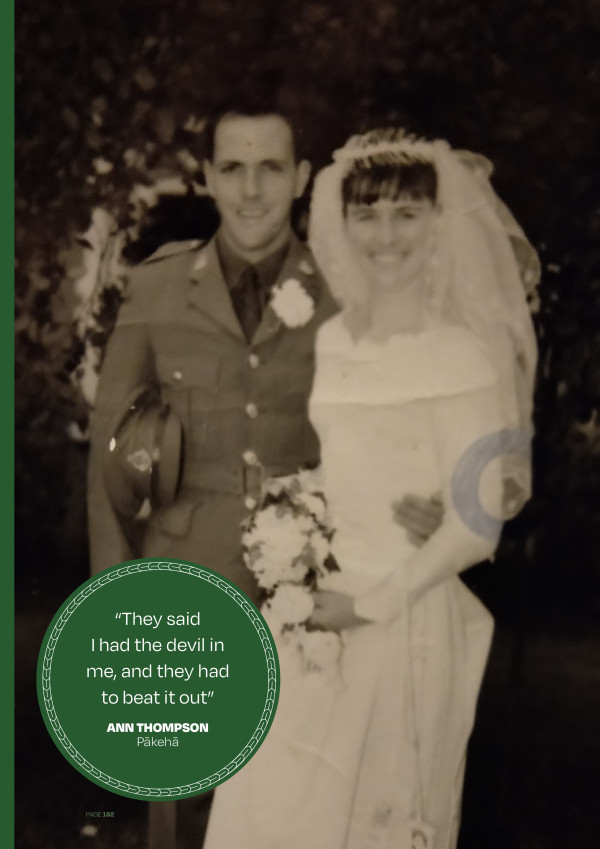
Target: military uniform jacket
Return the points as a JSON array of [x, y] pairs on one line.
[[243, 406]]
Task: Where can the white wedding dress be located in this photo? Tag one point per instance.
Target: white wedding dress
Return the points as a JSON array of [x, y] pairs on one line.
[[352, 758]]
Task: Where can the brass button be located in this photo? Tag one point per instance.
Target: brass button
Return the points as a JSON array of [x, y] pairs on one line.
[[250, 458], [251, 410], [250, 503], [254, 361], [177, 375]]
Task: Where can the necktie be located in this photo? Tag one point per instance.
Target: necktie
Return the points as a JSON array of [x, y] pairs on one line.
[[247, 301]]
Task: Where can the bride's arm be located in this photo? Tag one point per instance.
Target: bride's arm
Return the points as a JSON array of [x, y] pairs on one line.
[[463, 426]]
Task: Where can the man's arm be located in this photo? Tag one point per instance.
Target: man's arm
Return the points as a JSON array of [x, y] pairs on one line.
[[128, 363]]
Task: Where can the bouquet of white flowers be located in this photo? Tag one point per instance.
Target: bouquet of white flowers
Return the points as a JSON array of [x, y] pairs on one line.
[[287, 545]]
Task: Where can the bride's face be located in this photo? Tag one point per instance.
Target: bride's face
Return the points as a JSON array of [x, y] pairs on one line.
[[391, 239]]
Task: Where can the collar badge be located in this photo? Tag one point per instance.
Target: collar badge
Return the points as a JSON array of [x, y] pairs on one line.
[[200, 261], [306, 268]]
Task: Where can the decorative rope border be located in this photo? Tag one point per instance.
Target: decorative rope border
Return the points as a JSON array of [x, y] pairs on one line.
[[265, 720]]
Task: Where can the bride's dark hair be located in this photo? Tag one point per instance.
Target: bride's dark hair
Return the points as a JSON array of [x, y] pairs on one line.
[[387, 175]]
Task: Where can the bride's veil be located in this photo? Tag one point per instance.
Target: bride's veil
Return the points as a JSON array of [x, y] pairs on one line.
[[480, 268]]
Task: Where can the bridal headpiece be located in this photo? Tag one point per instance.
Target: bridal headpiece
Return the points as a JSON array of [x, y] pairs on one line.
[[386, 147], [482, 266]]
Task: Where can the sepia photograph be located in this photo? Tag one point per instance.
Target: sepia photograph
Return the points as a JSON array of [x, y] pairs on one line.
[[308, 293]]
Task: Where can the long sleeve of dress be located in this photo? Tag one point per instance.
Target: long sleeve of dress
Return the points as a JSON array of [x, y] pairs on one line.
[[465, 427], [128, 363]]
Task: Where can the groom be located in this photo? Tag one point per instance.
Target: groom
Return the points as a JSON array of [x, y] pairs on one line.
[[235, 366]]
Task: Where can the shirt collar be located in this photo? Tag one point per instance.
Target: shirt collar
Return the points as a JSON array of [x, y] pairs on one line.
[[233, 265]]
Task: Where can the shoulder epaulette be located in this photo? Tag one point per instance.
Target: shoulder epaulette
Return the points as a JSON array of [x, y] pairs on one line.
[[174, 248]]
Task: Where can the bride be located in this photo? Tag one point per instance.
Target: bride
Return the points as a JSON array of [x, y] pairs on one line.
[[423, 384]]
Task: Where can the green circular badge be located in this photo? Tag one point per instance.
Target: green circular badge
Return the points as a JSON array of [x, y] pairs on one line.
[[158, 679]]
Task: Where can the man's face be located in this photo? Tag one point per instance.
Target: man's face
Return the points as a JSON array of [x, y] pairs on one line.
[[253, 179]]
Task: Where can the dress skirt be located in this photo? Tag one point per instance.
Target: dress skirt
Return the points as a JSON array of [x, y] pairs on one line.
[[353, 758]]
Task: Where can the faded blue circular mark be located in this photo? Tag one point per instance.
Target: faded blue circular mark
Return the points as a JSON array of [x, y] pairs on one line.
[[468, 472]]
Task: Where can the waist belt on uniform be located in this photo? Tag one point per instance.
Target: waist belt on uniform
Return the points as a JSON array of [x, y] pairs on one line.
[[243, 480]]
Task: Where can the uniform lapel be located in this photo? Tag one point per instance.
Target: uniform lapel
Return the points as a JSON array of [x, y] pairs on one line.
[[208, 291], [298, 264]]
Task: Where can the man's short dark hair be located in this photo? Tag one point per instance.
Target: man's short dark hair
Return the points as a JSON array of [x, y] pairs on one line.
[[255, 101]]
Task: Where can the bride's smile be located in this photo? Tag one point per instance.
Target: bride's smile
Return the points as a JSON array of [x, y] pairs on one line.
[[391, 238]]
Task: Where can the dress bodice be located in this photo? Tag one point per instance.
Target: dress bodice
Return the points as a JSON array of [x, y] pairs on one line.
[[373, 408]]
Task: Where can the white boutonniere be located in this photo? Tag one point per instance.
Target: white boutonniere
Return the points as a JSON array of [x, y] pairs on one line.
[[292, 303]]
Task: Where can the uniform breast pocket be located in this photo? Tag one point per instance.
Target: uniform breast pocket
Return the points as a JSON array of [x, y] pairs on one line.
[[191, 385]]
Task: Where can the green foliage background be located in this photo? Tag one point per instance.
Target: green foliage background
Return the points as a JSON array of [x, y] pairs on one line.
[[118, 81]]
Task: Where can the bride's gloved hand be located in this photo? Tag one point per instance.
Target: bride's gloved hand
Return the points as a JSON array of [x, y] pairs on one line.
[[333, 612], [420, 517]]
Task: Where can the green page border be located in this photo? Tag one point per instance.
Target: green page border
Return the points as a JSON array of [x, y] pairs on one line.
[[7, 836]]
